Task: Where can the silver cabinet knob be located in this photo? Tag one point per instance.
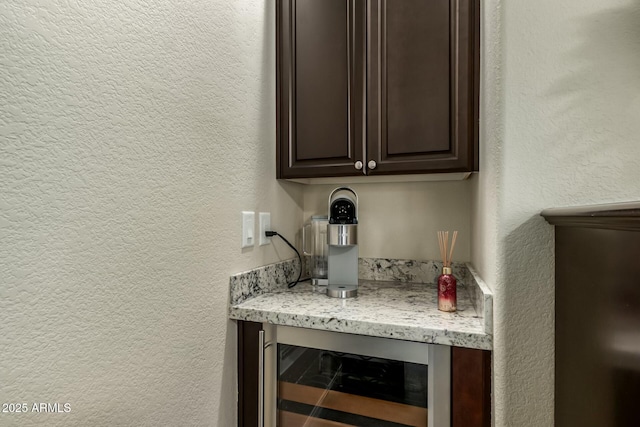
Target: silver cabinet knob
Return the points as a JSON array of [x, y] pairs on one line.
[[372, 164], [358, 165]]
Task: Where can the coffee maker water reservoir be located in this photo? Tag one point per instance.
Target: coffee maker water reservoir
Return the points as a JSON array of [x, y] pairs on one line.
[[314, 245]]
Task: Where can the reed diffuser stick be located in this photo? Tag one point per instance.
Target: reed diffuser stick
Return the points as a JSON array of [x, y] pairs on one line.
[[446, 246], [446, 253], [453, 244]]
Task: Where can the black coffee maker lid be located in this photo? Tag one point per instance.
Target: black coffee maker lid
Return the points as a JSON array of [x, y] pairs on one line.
[[343, 206]]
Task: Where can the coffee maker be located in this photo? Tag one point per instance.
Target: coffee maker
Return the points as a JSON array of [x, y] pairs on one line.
[[342, 241]]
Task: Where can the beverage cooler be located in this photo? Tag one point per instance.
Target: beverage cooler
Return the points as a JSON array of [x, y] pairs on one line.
[[317, 378]]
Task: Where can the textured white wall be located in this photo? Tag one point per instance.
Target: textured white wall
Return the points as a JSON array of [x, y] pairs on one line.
[[561, 109], [400, 220], [485, 185], [132, 134]]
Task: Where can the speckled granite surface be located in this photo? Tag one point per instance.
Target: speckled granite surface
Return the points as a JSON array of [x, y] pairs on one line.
[[481, 298], [403, 270], [390, 306], [269, 278]]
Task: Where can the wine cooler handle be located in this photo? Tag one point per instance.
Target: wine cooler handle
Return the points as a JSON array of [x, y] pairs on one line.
[[261, 379]]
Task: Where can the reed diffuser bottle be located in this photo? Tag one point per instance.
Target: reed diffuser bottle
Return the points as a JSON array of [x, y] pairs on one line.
[[447, 283]]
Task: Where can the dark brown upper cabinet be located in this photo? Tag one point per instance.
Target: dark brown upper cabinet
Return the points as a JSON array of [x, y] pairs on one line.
[[376, 87]]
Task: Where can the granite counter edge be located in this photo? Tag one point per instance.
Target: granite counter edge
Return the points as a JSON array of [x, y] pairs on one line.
[[425, 334]]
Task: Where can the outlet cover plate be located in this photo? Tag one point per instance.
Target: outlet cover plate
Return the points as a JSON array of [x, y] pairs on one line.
[[265, 225]]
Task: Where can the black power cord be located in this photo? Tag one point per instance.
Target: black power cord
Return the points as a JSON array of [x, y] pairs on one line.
[[275, 233]]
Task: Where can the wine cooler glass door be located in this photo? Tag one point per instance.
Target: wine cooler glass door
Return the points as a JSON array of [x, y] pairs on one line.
[[338, 380]]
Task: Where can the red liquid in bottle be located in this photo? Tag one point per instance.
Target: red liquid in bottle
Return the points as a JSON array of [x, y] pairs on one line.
[[447, 284]]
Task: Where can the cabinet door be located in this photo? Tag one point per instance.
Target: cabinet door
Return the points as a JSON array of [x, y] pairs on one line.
[[320, 87], [422, 83]]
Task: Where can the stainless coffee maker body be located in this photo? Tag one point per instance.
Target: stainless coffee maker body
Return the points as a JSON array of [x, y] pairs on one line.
[[314, 245], [342, 241]]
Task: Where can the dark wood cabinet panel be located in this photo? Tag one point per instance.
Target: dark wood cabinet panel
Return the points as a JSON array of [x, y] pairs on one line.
[[409, 76], [322, 91], [393, 84], [319, 95], [470, 387], [248, 349], [422, 115]]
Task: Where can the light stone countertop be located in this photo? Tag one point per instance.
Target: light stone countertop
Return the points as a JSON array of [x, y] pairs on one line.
[[390, 309]]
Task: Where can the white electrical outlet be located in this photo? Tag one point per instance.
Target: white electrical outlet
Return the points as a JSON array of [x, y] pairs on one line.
[[265, 225], [248, 229]]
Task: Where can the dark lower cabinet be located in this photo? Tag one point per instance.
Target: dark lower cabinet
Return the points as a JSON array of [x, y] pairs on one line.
[[377, 87], [470, 387], [248, 362], [393, 394]]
